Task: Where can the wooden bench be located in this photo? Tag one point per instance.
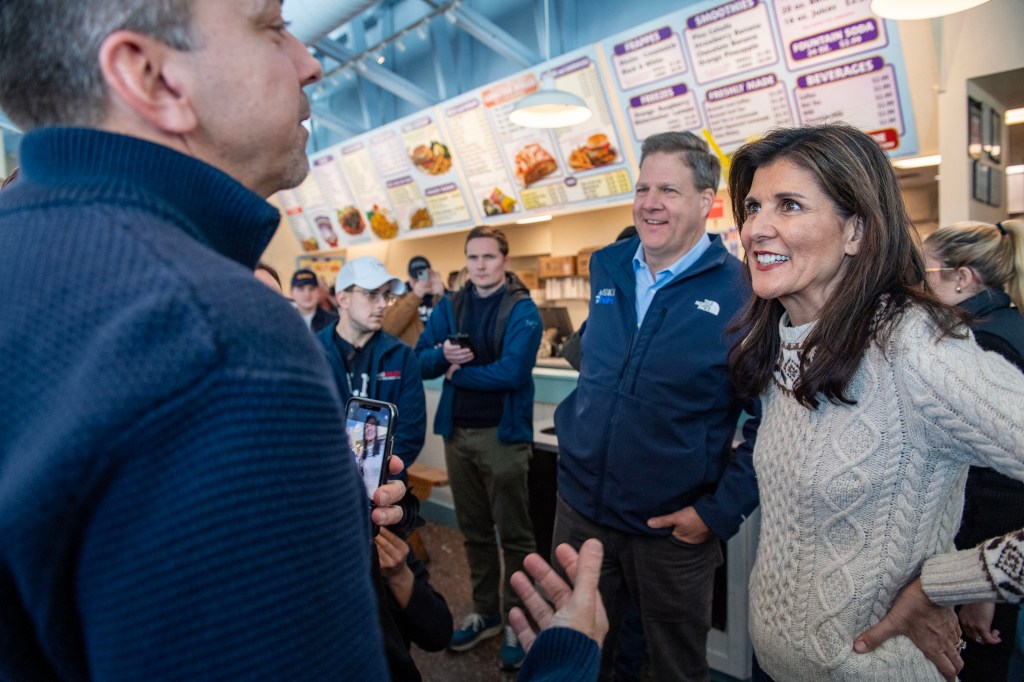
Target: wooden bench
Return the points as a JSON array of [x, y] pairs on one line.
[[423, 478]]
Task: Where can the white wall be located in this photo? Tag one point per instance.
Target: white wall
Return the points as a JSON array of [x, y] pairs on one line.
[[975, 43]]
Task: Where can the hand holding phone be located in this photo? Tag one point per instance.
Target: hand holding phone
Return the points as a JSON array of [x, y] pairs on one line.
[[457, 349], [370, 425]]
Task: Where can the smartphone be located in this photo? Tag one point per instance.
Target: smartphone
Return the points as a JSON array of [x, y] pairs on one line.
[[460, 339], [370, 425], [423, 275]]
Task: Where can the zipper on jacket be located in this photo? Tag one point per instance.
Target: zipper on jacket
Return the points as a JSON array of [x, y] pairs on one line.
[[650, 337]]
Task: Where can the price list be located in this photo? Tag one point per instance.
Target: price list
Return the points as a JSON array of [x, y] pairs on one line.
[[670, 108], [480, 157], [544, 197], [295, 215], [863, 93], [816, 31], [388, 153], [446, 204], [740, 110], [604, 185], [365, 185], [405, 198], [647, 58], [730, 39]]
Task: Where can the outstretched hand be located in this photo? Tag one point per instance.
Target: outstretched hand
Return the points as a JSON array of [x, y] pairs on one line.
[[579, 607], [933, 629]]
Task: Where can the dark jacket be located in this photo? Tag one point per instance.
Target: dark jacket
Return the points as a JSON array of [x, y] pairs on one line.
[[517, 338], [394, 378], [993, 503], [649, 428], [322, 319]]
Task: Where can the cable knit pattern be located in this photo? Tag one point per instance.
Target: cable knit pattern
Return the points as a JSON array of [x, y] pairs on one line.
[[854, 498]]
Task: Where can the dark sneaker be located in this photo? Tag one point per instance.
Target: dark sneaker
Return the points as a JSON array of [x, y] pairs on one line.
[[511, 655], [475, 629]]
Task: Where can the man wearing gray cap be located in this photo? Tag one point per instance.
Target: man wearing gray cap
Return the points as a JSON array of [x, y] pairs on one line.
[[369, 363]]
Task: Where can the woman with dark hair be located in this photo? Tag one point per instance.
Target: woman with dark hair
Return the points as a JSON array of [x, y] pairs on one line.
[[875, 402], [972, 265]]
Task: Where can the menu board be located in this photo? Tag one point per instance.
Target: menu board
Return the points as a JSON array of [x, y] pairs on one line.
[[511, 170], [731, 69], [751, 65]]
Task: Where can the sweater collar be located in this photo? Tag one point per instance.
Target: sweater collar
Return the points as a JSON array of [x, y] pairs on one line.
[[984, 302], [205, 202]]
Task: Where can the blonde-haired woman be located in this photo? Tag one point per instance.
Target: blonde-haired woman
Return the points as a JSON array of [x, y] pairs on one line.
[[979, 268]]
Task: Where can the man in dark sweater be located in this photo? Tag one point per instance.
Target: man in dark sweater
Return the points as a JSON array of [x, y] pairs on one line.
[[175, 498], [486, 418]]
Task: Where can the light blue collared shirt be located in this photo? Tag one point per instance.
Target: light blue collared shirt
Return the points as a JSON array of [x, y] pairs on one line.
[[648, 283]]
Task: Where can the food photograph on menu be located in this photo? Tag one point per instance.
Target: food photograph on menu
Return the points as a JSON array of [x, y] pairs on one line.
[[596, 151], [498, 203], [432, 159], [351, 220], [420, 217], [382, 224], [533, 163]]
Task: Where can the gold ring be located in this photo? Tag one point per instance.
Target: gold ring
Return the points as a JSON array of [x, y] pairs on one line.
[[961, 645]]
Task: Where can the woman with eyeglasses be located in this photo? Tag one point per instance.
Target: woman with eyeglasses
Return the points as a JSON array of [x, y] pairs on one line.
[[875, 402], [979, 268]]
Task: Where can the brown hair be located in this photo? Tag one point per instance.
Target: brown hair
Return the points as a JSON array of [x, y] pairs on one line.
[[883, 279], [481, 231], [994, 252]]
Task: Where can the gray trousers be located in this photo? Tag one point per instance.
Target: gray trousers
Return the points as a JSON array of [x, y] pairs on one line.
[[670, 581], [488, 480]]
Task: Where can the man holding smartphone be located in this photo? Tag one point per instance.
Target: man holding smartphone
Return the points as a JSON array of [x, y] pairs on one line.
[[369, 363], [484, 342], [409, 314]]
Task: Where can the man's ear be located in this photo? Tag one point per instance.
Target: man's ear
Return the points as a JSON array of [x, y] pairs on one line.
[[707, 200], [148, 78]]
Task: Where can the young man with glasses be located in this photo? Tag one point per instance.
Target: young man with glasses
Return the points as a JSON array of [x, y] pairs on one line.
[[369, 363]]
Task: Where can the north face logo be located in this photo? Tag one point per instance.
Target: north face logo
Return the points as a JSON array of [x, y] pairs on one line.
[[708, 306]]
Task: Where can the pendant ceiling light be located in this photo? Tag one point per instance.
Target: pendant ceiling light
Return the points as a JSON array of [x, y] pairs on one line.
[[920, 9], [548, 107]]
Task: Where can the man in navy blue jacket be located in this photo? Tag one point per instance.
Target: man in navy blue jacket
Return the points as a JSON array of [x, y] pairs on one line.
[[486, 418], [370, 363], [645, 456]]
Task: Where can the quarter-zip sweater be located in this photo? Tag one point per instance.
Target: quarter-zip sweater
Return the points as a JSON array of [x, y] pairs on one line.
[[649, 428], [176, 501]]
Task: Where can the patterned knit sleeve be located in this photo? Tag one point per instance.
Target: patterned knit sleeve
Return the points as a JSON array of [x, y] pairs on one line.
[[992, 571], [970, 402]]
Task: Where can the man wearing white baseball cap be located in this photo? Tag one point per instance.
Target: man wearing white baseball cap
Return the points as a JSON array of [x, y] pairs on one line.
[[367, 362]]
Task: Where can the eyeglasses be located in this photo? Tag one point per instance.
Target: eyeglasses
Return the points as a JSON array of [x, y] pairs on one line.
[[384, 295], [938, 269]]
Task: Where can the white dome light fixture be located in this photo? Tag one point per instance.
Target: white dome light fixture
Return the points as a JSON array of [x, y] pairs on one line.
[[550, 108], [908, 10]]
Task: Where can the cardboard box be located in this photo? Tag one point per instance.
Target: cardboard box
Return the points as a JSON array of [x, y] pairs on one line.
[[557, 266], [583, 261], [530, 279]]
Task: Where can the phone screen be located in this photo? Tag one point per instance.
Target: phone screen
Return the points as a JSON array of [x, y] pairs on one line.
[[370, 425]]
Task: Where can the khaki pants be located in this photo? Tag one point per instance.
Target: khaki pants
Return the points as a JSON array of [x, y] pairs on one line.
[[488, 480]]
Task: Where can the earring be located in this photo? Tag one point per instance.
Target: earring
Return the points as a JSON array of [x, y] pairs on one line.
[[958, 289]]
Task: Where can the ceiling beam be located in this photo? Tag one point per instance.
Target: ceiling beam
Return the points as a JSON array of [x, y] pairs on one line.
[[378, 75], [493, 36]]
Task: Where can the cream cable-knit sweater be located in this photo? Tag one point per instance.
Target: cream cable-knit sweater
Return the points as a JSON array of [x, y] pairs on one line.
[[855, 498]]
